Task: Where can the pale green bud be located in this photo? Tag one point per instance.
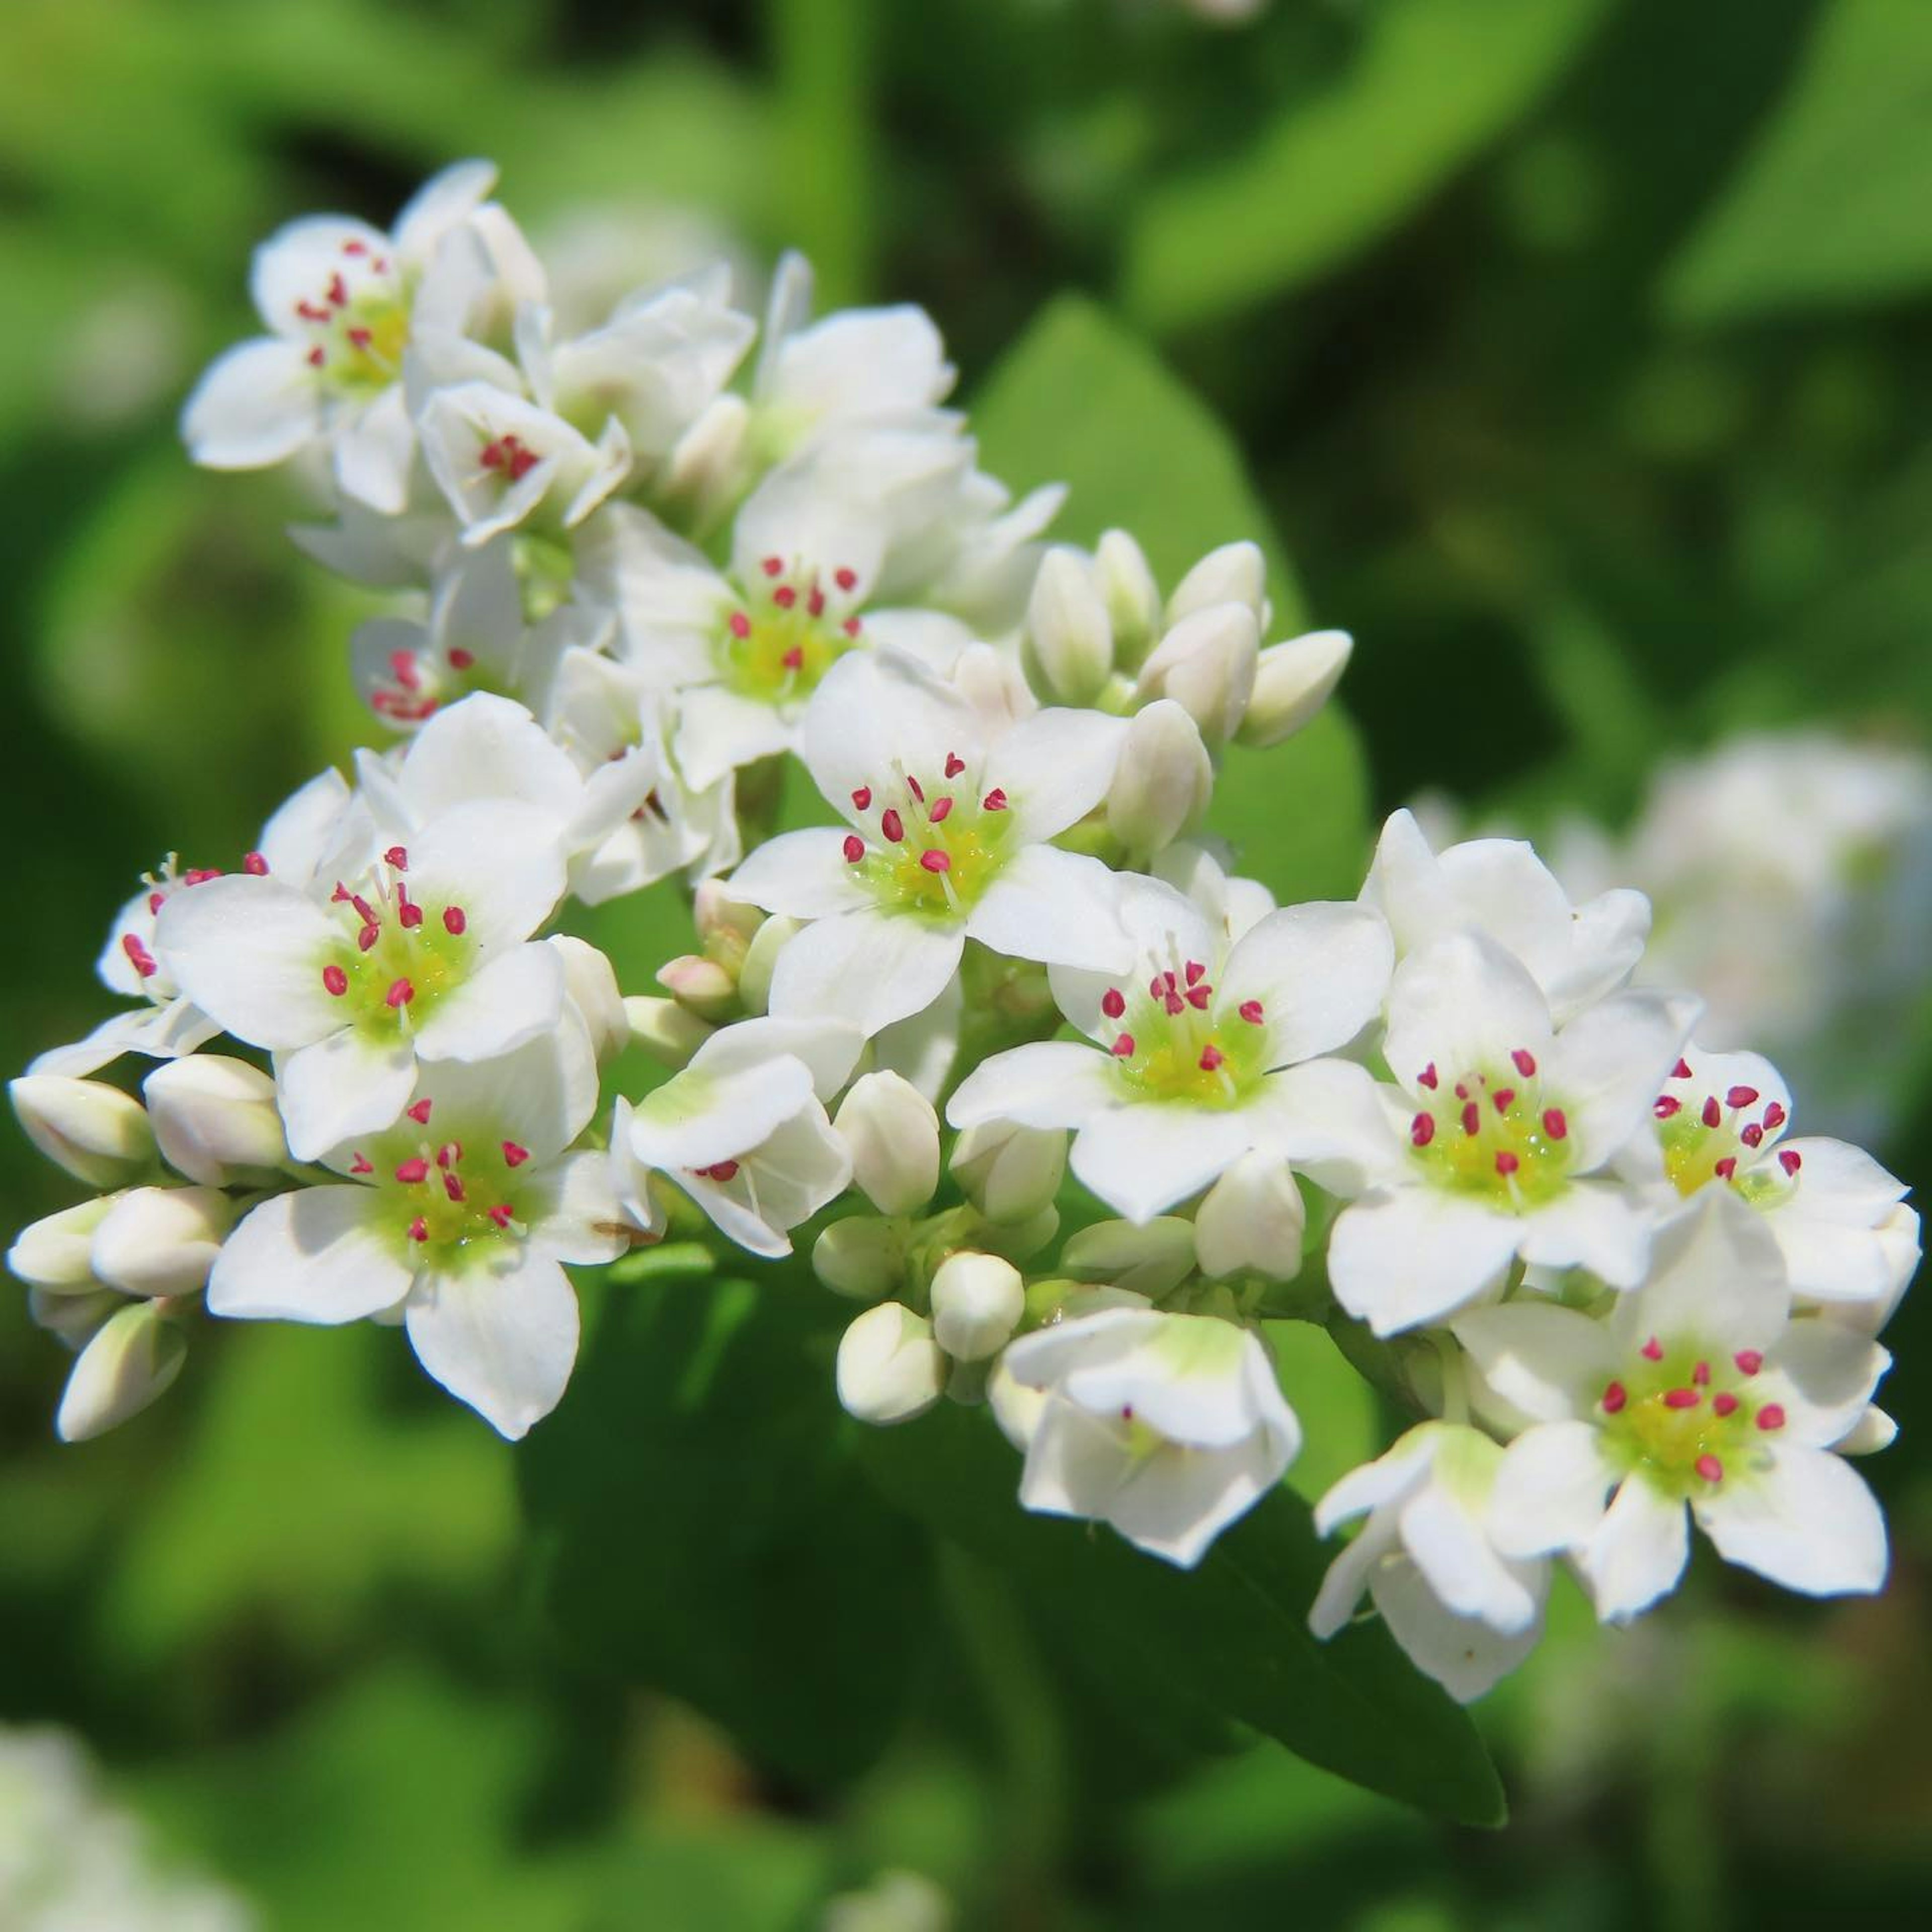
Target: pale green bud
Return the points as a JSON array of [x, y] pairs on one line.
[[1252, 1219], [761, 956], [161, 1240], [57, 1253], [133, 1358], [669, 1033], [977, 1301], [889, 1368], [1010, 1173], [99, 1134], [1206, 664], [1164, 780], [1070, 639], [860, 1257], [591, 985], [1128, 590], [893, 1134], [1149, 1259], [1292, 683], [1237, 573], [211, 1113], [701, 986]]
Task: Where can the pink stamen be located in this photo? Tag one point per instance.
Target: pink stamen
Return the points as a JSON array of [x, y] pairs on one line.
[[1175, 1004], [1774, 1116], [892, 825], [1726, 1168], [851, 627], [784, 596], [1652, 1351], [400, 993], [721, 1170], [503, 1214], [419, 1229], [514, 1155], [739, 625], [1250, 1010], [846, 579], [1422, 1129], [794, 658], [414, 1169], [254, 865], [1211, 1057], [772, 565], [1472, 1121], [1123, 1047], [1615, 1397], [995, 800], [815, 603], [861, 798], [1682, 1398], [954, 764], [1194, 971], [408, 913], [854, 848], [461, 660], [335, 981], [1504, 1097], [1790, 1160], [1427, 1077], [1749, 1360], [1556, 1123], [1712, 1113], [449, 1154], [1701, 1375], [454, 921], [361, 1164], [1741, 1096], [1772, 1416], [1198, 997], [156, 901], [452, 1186], [1710, 1469], [367, 938], [1752, 1135], [420, 1112], [941, 807], [1507, 1163], [139, 957], [316, 357], [1113, 1003], [1524, 1062], [1681, 1071], [933, 860], [918, 791], [1667, 1104], [1724, 1402]]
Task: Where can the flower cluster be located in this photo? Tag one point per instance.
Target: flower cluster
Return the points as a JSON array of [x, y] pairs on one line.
[[1003, 1044]]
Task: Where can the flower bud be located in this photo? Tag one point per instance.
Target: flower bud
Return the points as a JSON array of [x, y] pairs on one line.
[[211, 1113], [590, 985], [133, 1359], [893, 1134], [725, 925], [977, 1301], [1016, 1407], [860, 1257], [1292, 683], [1163, 781], [1130, 594], [57, 1252], [1010, 1173], [1206, 663], [1237, 573], [161, 1240], [994, 685], [707, 462], [99, 1134], [669, 1033], [1070, 639], [889, 1368], [701, 986], [75, 1318], [1252, 1218], [1149, 1259], [754, 976]]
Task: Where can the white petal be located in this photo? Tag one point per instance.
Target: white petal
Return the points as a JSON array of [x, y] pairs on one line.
[[1464, 1654], [1320, 972], [1552, 1363], [1824, 1376], [1607, 935], [487, 749], [1804, 1518], [1175, 1502], [829, 1048], [1460, 1566], [297, 836], [257, 405], [800, 1166], [1401, 1257], [1593, 1225], [1347, 1576], [1055, 767], [1716, 1277], [294, 264], [316, 1254], [1142, 1158], [1391, 1475], [1053, 1083], [503, 1340], [341, 1087], [697, 1119], [373, 452], [498, 862], [1550, 1490], [162, 1032], [803, 875], [1339, 1125], [1466, 1004], [1053, 906], [1607, 1067], [438, 205], [1637, 1553], [719, 730], [865, 966], [876, 708], [542, 1095], [249, 952], [514, 998]]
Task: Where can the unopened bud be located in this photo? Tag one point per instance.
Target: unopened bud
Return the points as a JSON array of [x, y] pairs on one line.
[[1010, 1173], [99, 1134], [1292, 683], [1206, 664], [977, 1301], [1070, 639], [161, 1240], [1873, 1430], [669, 1033], [893, 1134], [761, 956], [590, 985], [1164, 780], [707, 462], [211, 1113], [1016, 1406], [1237, 573], [133, 1359], [860, 1257], [889, 1368], [726, 925], [57, 1252], [701, 986], [75, 1318], [1148, 1259], [1252, 1218], [1133, 598], [994, 685]]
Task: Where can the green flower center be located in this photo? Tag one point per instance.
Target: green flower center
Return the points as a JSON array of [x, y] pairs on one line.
[[451, 1192], [398, 959], [790, 630], [1688, 1418], [1494, 1135], [1177, 1042], [940, 841], [1729, 1138]]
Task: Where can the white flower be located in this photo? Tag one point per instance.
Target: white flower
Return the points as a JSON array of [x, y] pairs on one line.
[[889, 1368], [1192, 1046], [213, 1115], [1498, 887], [93, 1131], [458, 1217], [743, 1130], [1491, 1145], [893, 1136], [344, 300], [294, 842], [950, 827], [1721, 1121], [1466, 1614], [1699, 1389], [421, 952], [977, 1302], [1167, 1427]]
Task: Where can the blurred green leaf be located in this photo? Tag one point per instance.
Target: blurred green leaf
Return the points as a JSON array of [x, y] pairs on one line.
[[1232, 1634], [1829, 209], [1433, 82], [706, 1531], [1081, 400]]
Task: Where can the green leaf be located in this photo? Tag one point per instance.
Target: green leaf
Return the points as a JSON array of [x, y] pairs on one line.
[[1081, 400], [706, 1531], [1829, 209], [1232, 1634], [1432, 83]]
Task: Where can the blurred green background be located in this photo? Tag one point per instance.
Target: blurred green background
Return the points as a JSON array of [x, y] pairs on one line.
[[1582, 352]]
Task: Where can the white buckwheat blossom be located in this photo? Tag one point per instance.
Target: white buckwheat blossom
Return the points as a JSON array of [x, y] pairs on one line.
[[1492, 1144], [1167, 1426], [1193, 1041], [1466, 1614], [1700, 1395], [950, 841], [456, 1218]]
